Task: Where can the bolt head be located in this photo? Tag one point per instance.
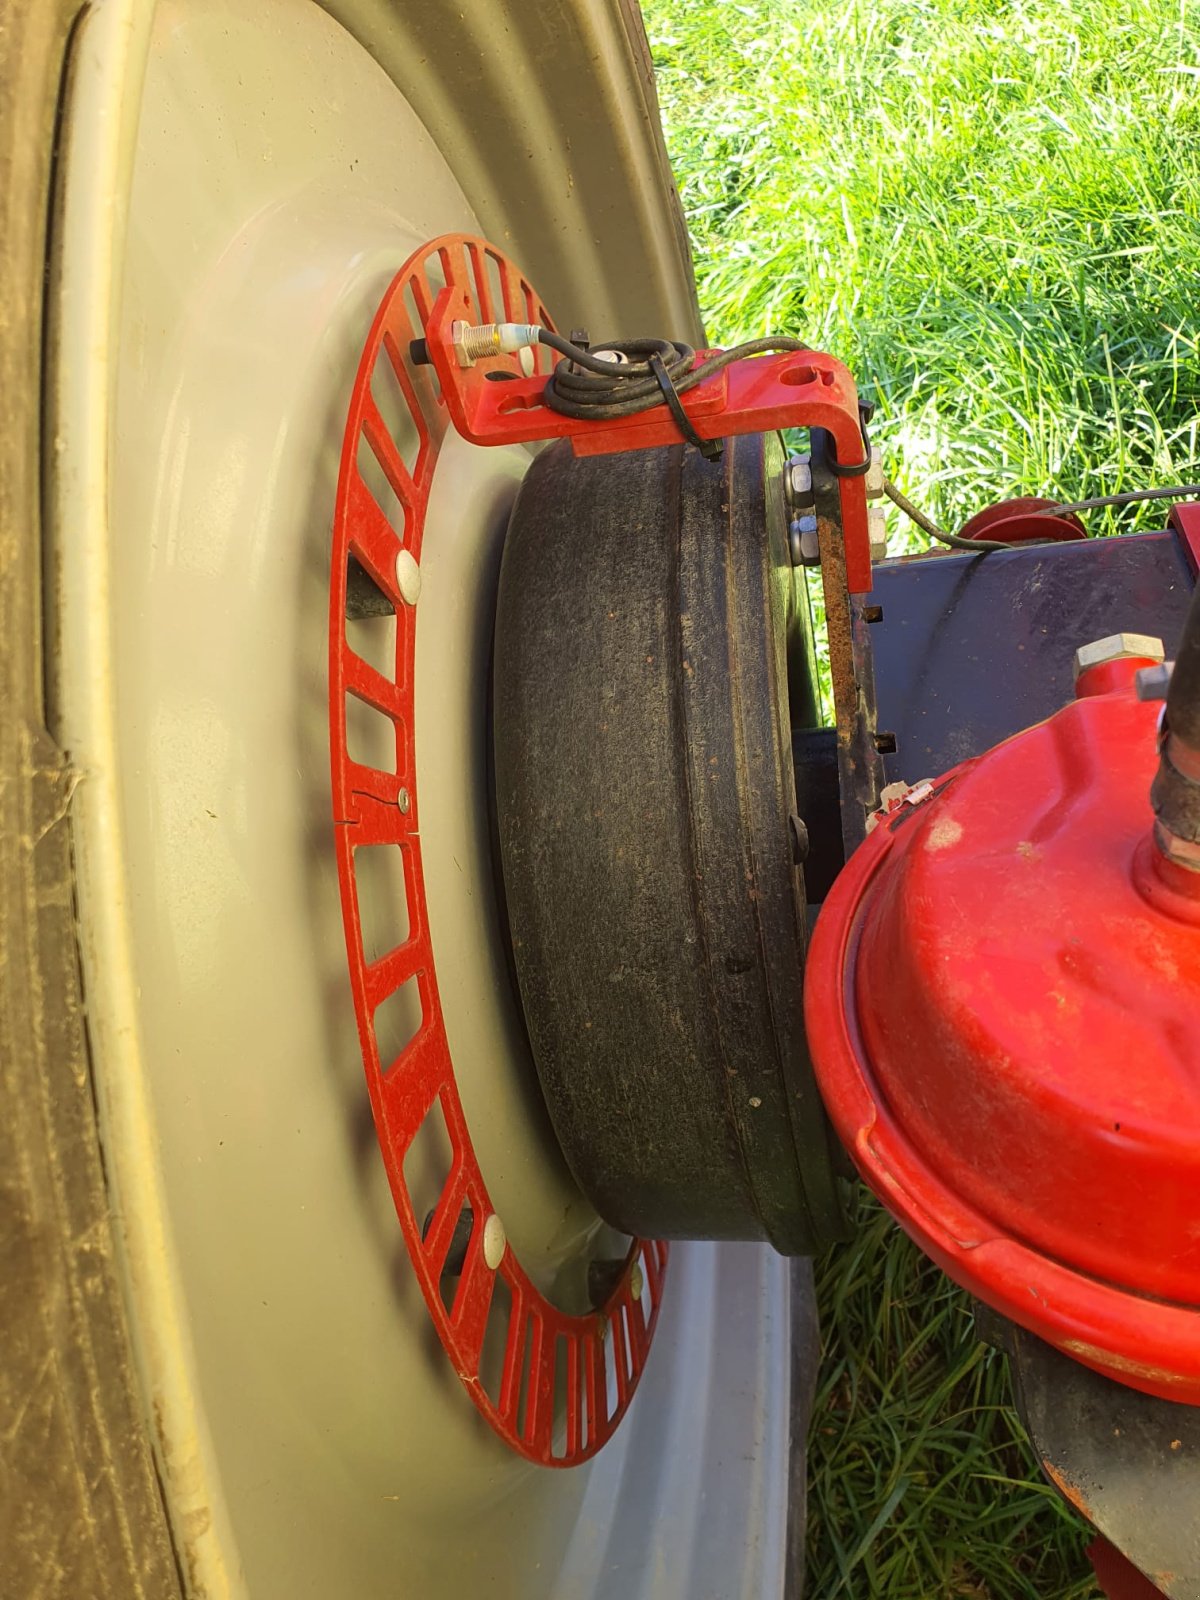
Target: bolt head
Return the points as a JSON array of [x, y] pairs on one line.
[[1117, 647]]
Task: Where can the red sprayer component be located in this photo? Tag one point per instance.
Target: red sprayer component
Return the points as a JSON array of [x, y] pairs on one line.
[[1003, 1005], [1022, 521], [756, 394]]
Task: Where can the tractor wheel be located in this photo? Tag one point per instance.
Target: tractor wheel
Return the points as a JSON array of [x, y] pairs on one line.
[[221, 1378]]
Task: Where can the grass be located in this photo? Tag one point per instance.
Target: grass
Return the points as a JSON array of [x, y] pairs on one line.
[[922, 1483], [990, 209]]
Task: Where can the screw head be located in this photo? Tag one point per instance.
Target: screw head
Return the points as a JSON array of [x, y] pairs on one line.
[[404, 801], [636, 1281]]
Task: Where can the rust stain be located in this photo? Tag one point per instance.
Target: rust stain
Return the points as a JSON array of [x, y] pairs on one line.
[[1110, 1361], [838, 622], [1066, 1488]]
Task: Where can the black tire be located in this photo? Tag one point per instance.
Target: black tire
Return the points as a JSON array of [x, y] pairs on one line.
[[80, 1510]]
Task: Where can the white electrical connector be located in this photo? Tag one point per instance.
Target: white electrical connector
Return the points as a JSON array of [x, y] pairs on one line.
[[472, 344]]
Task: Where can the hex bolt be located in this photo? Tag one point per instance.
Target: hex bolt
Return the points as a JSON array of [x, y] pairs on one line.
[[1117, 647], [408, 577], [495, 1241]]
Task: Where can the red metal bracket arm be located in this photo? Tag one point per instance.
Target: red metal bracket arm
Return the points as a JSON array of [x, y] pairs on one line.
[[757, 394]]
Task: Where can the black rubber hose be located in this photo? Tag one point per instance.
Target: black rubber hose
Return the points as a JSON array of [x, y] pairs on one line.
[[584, 384], [1183, 696]]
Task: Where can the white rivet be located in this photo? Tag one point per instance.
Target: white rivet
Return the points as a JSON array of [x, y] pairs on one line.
[[495, 1241], [403, 801], [408, 577], [636, 1281]]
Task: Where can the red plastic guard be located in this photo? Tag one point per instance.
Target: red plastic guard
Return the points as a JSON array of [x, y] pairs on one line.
[[757, 394], [595, 1360]]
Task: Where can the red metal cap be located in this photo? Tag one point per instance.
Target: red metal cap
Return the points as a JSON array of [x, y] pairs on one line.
[[1003, 1006]]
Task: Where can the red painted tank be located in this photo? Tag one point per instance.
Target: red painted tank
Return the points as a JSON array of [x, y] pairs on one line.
[[1003, 1006]]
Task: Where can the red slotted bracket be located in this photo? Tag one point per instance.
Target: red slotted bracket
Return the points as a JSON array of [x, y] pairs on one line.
[[597, 1355], [757, 394]]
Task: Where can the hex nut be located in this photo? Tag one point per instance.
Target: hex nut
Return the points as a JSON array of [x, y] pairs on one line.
[[1183, 852], [799, 481], [874, 480], [877, 532], [803, 541], [1117, 647]]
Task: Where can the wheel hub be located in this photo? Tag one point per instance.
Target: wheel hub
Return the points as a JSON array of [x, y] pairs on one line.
[[647, 819]]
